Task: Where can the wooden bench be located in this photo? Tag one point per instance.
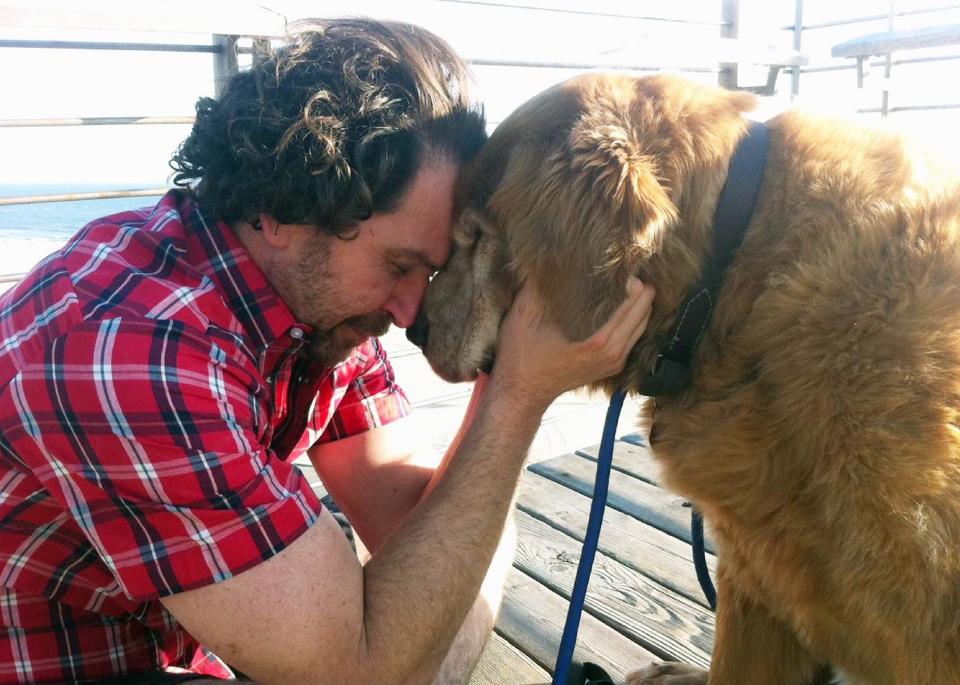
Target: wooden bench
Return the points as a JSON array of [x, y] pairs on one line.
[[731, 51], [887, 42], [653, 52], [891, 41]]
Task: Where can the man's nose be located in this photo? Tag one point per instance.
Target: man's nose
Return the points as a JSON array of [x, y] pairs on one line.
[[405, 301], [417, 333]]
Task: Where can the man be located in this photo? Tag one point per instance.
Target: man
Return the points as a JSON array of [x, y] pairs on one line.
[[159, 372]]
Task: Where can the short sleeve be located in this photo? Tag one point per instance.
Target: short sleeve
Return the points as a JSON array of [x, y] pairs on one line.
[[150, 435], [371, 397]]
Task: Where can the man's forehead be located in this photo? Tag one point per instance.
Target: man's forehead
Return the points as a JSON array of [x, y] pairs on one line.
[[433, 257], [422, 225]]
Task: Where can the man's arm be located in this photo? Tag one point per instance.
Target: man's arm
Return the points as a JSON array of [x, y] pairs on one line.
[[376, 477], [312, 614]]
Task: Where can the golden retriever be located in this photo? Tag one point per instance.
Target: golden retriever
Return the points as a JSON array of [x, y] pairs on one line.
[[820, 432]]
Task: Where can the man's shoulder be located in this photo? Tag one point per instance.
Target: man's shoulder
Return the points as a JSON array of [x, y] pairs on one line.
[[90, 295], [143, 264]]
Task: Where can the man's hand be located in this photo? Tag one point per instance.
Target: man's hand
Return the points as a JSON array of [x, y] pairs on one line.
[[537, 362]]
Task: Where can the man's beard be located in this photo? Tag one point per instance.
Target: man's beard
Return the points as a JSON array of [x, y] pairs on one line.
[[331, 346], [328, 345]]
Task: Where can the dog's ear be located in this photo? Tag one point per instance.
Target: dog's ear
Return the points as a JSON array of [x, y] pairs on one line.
[[579, 214], [615, 176]]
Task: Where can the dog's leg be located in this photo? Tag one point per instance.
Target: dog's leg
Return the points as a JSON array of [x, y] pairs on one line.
[[752, 647], [668, 673]]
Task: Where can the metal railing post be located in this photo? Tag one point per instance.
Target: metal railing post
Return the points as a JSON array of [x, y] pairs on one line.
[[797, 40], [261, 49], [730, 28], [224, 61], [887, 65]]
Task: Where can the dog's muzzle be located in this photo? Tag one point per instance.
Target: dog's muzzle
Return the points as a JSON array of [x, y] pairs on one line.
[[417, 333]]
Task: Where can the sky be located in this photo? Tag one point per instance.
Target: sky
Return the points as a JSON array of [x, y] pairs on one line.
[[39, 83]]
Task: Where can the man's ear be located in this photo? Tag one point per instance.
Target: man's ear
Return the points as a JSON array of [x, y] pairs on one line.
[[579, 217], [272, 231]]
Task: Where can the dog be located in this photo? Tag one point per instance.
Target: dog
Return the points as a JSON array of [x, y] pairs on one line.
[[819, 431]]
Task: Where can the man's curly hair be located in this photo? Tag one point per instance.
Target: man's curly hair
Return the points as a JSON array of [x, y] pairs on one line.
[[332, 127]]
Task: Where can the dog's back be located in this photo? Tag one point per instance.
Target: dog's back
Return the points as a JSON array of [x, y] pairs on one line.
[[820, 432], [822, 438]]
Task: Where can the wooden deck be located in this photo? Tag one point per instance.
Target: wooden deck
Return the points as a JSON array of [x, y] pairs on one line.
[[644, 602]]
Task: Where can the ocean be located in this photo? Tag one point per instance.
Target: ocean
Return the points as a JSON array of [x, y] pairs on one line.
[[28, 233]]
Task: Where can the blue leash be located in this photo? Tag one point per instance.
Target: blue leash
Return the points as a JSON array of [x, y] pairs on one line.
[[670, 375], [700, 558], [590, 673], [590, 539]]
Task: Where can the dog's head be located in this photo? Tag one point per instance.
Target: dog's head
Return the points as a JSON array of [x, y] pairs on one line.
[[572, 193]]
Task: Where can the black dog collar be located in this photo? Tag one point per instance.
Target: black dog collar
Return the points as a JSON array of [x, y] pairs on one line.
[[671, 371]]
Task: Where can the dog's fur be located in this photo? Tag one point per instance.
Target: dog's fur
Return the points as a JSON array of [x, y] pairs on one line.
[[820, 434]]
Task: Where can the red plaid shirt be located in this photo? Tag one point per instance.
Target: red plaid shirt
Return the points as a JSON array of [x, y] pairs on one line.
[[151, 396]]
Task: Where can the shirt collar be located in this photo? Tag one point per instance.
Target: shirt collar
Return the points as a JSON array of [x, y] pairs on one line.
[[215, 250]]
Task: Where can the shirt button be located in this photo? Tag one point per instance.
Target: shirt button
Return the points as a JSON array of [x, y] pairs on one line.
[[296, 333]]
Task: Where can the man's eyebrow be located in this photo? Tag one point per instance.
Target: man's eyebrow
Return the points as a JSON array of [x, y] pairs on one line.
[[415, 255]]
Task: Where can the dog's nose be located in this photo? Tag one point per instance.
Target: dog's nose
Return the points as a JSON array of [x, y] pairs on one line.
[[417, 333]]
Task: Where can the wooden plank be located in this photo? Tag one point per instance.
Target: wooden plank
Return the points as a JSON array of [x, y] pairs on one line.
[[626, 494], [630, 458], [502, 663], [643, 548], [532, 618], [744, 51], [654, 53], [891, 41], [634, 438], [664, 622], [421, 384]]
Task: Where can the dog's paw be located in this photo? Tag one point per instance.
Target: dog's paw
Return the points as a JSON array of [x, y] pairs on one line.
[[668, 673]]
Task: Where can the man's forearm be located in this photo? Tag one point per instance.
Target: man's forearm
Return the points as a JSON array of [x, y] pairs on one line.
[[462, 657], [423, 581]]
